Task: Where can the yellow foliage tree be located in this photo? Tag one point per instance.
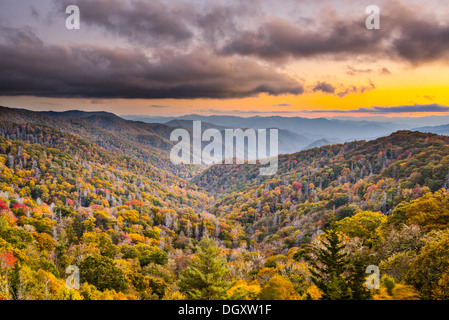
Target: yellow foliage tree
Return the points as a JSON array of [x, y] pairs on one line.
[[243, 291], [362, 224], [313, 293], [279, 288], [431, 211]]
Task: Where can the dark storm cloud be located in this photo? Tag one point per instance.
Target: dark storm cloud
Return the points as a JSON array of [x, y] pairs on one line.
[[243, 28], [218, 23], [324, 87], [30, 67], [422, 41], [404, 35], [356, 89], [160, 23], [279, 39], [387, 110], [144, 22], [207, 50], [340, 91]]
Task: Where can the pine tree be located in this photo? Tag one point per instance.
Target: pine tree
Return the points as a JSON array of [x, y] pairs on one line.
[[357, 280], [203, 278], [327, 275]]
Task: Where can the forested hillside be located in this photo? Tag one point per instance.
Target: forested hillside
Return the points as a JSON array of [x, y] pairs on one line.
[[138, 229], [149, 143]]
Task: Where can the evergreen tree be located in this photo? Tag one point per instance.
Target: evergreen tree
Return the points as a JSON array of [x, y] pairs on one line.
[[203, 278], [327, 274], [357, 280]]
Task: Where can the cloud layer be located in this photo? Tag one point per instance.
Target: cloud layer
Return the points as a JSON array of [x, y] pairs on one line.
[[389, 110], [30, 67], [405, 35], [212, 49]]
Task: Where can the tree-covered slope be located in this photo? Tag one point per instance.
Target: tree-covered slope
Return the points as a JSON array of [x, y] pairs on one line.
[[327, 183], [136, 230], [147, 142]]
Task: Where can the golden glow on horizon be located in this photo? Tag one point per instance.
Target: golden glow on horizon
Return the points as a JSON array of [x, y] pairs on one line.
[[404, 86]]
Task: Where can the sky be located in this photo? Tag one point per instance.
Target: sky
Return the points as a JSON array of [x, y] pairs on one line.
[[253, 57]]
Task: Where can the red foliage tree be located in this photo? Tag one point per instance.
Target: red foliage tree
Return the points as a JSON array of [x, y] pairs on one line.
[[7, 260], [3, 206]]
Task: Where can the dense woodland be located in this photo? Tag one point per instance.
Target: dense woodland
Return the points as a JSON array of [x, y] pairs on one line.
[[138, 231]]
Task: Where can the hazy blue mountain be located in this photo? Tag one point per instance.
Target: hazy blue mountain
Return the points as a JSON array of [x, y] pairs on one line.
[[399, 122], [148, 119], [393, 124], [289, 142], [188, 124], [314, 129], [322, 142], [441, 130], [341, 129]]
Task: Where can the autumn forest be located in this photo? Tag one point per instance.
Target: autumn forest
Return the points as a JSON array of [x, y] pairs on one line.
[[98, 192]]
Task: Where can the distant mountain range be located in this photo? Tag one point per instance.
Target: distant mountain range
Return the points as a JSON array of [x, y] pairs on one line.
[[148, 138], [289, 141], [441, 130], [405, 122], [313, 129], [322, 142], [299, 133], [296, 133], [137, 135]]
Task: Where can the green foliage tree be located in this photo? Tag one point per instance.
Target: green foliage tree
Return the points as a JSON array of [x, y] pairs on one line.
[[203, 279], [102, 273], [388, 283], [148, 286], [327, 271], [357, 280], [346, 211], [155, 256], [335, 273], [429, 271]]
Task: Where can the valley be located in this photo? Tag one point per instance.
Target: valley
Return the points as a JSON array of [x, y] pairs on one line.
[[98, 192]]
